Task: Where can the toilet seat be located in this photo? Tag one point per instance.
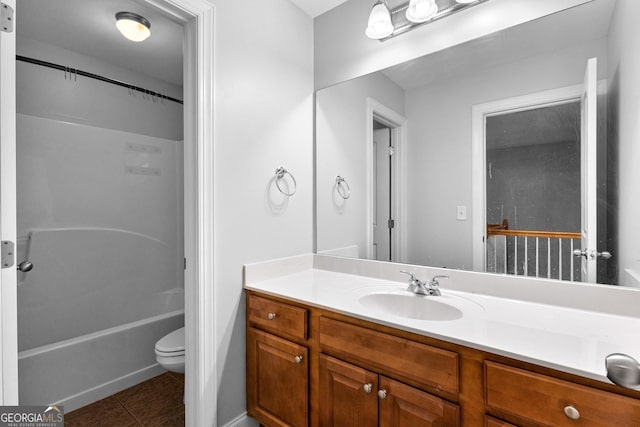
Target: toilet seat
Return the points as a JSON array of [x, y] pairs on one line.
[[172, 344]]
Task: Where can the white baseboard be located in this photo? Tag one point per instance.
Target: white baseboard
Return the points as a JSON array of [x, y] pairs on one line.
[[107, 389], [242, 420]]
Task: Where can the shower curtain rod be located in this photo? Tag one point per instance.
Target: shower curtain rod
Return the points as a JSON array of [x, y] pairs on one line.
[[95, 76]]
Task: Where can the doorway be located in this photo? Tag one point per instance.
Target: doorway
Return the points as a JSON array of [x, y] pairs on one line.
[[533, 191], [197, 17], [386, 184], [383, 223], [536, 250], [99, 149]]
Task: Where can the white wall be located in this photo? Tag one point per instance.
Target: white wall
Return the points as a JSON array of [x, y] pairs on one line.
[[263, 91], [439, 148], [342, 51], [341, 129], [624, 131]]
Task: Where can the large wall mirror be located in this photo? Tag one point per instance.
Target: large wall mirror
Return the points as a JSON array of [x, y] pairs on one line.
[[515, 153]]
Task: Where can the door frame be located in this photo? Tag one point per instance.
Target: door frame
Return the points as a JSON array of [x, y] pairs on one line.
[[200, 332], [479, 114], [8, 226], [197, 16], [398, 124]]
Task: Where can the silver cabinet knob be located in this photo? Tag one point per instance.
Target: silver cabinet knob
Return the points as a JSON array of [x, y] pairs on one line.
[[367, 388], [571, 412], [271, 316], [25, 266], [382, 394], [297, 359]]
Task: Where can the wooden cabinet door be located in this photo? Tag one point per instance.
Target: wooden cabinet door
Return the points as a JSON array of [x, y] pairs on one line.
[[277, 380], [404, 406], [348, 394]]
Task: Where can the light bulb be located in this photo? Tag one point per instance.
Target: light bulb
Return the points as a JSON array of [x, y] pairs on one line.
[[421, 10], [133, 26], [379, 25]]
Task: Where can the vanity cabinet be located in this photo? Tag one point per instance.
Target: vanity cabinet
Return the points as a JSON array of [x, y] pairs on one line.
[[277, 366], [353, 396], [308, 366]]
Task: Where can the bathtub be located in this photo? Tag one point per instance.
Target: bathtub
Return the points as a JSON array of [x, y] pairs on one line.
[[91, 311], [84, 369]]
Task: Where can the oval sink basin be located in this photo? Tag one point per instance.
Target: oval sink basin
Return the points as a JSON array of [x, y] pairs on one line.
[[411, 306]]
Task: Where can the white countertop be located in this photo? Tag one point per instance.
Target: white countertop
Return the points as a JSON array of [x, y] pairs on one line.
[[567, 339]]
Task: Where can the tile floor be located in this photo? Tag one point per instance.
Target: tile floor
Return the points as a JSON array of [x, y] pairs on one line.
[[156, 402]]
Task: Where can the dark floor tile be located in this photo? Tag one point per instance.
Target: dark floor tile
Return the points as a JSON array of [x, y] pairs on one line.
[[156, 402], [103, 413], [174, 419], [176, 376]]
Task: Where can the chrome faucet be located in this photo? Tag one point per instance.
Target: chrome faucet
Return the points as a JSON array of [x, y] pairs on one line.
[[419, 287]]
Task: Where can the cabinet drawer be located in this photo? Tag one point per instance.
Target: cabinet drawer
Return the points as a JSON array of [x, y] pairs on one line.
[[415, 363], [277, 317], [527, 396]]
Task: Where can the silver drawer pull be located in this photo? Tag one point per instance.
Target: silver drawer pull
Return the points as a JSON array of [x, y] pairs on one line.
[[271, 316], [367, 388], [297, 359], [382, 394], [571, 412]]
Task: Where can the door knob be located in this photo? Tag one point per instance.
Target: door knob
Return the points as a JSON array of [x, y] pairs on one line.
[[604, 254], [578, 252], [25, 266], [592, 254]]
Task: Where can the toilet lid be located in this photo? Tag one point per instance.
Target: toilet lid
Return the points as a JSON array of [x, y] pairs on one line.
[[172, 342]]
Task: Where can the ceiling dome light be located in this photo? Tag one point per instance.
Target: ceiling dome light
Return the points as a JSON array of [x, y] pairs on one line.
[[421, 10], [379, 25], [133, 26]]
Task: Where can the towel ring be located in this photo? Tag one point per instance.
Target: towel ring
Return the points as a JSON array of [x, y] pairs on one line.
[[343, 187], [280, 173]]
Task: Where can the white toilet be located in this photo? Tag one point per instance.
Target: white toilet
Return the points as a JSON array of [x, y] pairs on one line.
[[170, 351]]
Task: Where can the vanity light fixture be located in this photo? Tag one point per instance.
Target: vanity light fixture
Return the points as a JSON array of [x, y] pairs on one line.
[[133, 26], [385, 22]]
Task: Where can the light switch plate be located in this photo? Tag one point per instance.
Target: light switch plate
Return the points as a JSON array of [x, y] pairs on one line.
[[461, 213]]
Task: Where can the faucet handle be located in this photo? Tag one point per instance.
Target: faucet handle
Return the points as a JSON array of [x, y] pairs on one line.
[[413, 277], [434, 281]]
